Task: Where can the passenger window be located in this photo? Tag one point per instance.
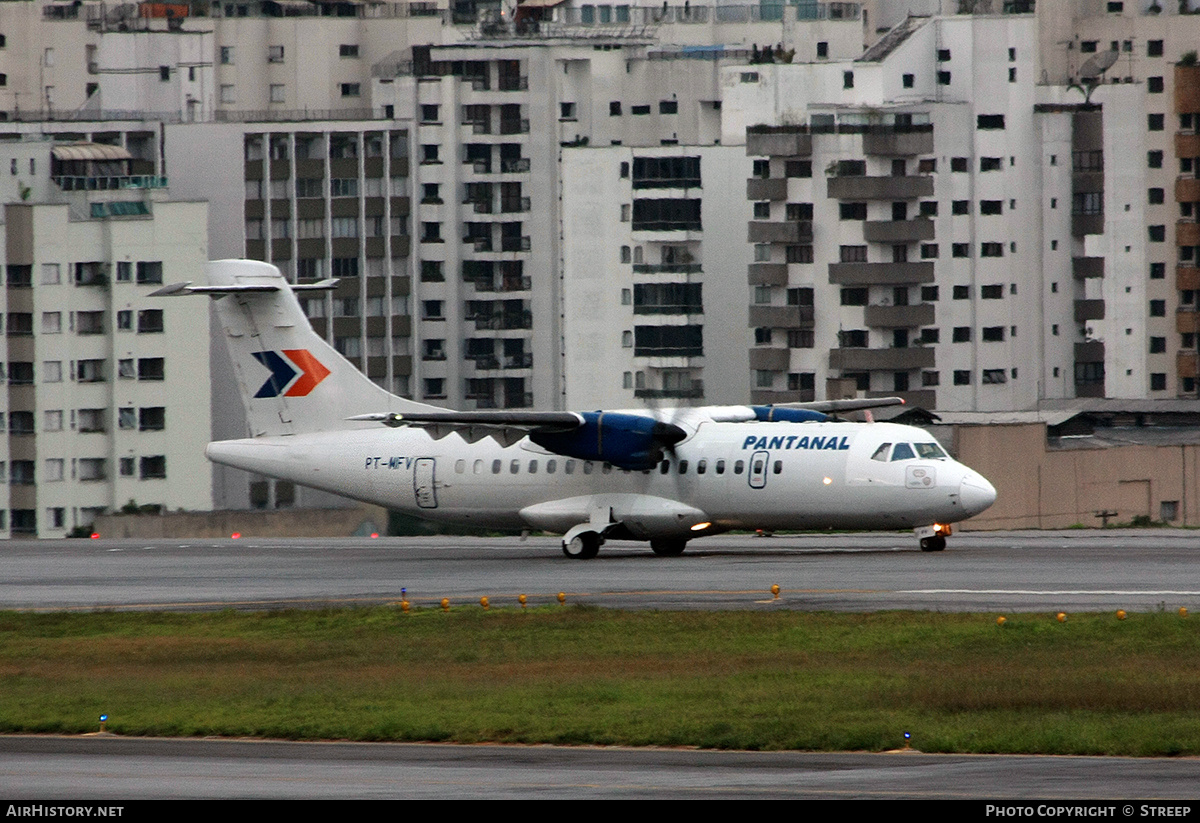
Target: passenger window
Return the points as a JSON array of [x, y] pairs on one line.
[[683, 466], [701, 467], [496, 466], [881, 453], [479, 467], [903, 451], [606, 468], [551, 466], [758, 467], [778, 466], [570, 467], [515, 467], [533, 467], [460, 466], [720, 467], [739, 467], [664, 467], [587, 466]]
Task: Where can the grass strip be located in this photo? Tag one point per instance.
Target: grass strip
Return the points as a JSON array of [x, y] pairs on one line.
[[576, 675]]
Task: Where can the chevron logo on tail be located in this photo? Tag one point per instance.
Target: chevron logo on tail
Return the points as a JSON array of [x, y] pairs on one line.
[[294, 373]]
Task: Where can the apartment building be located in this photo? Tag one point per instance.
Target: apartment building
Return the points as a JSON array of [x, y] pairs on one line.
[[101, 378]]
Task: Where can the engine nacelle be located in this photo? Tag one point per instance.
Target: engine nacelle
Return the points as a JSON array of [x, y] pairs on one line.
[[779, 414], [628, 441]]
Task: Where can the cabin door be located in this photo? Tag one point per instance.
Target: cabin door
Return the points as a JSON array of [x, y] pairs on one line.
[[424, 488]]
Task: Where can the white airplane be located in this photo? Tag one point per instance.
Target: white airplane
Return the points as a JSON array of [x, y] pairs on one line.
[[666, 476]]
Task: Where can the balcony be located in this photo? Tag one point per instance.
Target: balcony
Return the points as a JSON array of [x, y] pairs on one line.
[[1085, 268], [794, 231], [514, 205], [1187, 277], [897, 231], [695, 391], [523, 360], [894, 359], [1187, 88], [1187, 144], [1187, 189], [758, 188], [766, 359], [880, 274], [899, 316], [1187, 233], [1086, 310], [514, 126], [880, 188], [1186, 363], [899, 143], [1083, 224], [667, 268], [781, 317], [767, 274], [515, 243], [1187, 321], [778, 141], [517, 166]]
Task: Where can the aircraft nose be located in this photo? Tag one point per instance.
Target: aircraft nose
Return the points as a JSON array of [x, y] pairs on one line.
[[976, 494]]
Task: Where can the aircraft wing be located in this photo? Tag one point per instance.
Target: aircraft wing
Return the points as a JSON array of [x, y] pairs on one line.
[[627, 441], [505, 427], [835, 406]]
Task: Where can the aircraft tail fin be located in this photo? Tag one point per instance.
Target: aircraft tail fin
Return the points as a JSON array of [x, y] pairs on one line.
[[291, 380]]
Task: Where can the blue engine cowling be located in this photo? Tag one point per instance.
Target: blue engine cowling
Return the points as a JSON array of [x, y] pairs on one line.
[[627, 441], [777, 414]]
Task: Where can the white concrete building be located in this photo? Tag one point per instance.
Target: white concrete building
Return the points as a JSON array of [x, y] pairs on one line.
[[102, 379]]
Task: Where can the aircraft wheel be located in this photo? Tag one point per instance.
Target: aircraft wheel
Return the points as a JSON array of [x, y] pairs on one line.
[[933, 544], [583, 546], [668, 546]]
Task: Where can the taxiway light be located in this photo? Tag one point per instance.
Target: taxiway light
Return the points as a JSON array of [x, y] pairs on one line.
[[521, 599], [445, 604], [103, 720], [1183, 611], [483, 601], [1061, 617], [404, 606], [775, 590], [1001, 620], [1120, 614], [562, 597]]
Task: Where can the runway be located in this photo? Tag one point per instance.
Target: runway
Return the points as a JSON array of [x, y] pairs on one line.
[[982, 572], [1134, 570]]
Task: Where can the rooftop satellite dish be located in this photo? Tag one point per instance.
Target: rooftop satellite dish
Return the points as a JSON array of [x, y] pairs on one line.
[[1097, 64]]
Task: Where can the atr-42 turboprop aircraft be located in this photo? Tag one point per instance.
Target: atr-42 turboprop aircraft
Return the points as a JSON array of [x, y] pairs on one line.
[[666, 476]]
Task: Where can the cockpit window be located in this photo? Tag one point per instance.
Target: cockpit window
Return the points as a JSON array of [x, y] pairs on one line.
[[881, 453], [903, 451], [930, 451]]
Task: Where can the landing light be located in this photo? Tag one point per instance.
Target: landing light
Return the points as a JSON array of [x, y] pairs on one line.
[[827, 480], [699, 527]]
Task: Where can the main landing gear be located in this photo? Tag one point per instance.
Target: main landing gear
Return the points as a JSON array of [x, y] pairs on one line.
[[668, 546], [583, 546]]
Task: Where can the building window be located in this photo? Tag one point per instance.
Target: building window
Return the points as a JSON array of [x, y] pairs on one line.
[[847, 79], [961, 334], [348, 50], [960, 207], [907, 81], [994, 376], [992, 334], [226, 55], [1154, 48], [274, 54], [1158, 382], [152, 468], [668, 107], [853, 254], [350, 89], [989, 121], [277, 93], [1158, 234], [150, 272], [852, 211], [150, 368], [1158, 308], [227, 94], [991, 207], [958, 164], [943, 78], [960, 250], [1154, 85], [991, 250], [962, 377], [797, 168]]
